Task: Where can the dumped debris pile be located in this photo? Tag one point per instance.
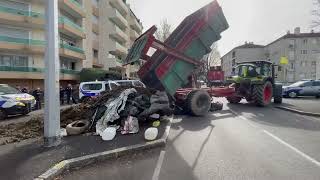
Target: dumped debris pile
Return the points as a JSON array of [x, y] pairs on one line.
[[140, 103]]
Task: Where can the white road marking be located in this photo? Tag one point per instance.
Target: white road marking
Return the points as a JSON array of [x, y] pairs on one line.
[[244, 118], [293, 148], [307, 157], [156, 172]]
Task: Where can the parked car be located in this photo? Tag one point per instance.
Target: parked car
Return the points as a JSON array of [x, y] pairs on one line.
[[302, 88], [13, 102]]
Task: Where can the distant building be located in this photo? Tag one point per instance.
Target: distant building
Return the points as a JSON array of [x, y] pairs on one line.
[[301, 49], [92, 33]]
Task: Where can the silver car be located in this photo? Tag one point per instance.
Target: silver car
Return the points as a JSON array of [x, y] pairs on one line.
[[302, 88]]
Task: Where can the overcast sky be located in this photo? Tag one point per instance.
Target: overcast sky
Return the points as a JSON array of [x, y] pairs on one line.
[[258, 21]]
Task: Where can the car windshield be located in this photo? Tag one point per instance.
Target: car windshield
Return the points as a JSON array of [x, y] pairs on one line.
[[297, 84], [6, 89], [95, 86]]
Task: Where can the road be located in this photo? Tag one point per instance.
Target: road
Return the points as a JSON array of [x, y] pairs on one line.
[[240, 142], [308, 104]]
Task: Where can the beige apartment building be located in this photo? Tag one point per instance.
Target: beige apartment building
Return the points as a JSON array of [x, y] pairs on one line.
[[92, 33], [301, 49]]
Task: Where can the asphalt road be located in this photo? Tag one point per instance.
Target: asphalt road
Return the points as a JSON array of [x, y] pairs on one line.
[[240, 142]]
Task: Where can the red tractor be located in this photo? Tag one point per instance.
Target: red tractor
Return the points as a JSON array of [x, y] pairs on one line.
[[215, 76]]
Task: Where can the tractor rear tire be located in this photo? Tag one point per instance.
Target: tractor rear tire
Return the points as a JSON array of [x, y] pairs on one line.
[[277, 94], [262, 94], [234, 99], [199, 102]]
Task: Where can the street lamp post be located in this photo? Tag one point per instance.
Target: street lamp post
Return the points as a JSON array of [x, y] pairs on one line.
[[52, 66]]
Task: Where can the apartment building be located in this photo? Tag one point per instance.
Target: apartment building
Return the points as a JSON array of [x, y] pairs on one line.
[[301, 49], [111, 28], [92, 33], [22, 41]]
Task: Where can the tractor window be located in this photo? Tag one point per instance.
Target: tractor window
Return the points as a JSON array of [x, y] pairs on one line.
[[266, 70]]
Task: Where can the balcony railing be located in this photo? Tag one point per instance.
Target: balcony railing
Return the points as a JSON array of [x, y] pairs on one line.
[[72, 48], [69, 71], [35, 70], [65, 20], [22, 41], [21, 69], [76, 3], [21, 12]]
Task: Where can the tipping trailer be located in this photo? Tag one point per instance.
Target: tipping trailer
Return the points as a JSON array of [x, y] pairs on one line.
[[171, 66]]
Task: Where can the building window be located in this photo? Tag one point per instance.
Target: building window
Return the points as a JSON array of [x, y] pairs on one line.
[[291, 55], [14, 61], [303, 63], [73, 65], [233, 62], [304, 51], [279, 68], [291, 65], [291, 43], [95, 53], [313, 63], [233, 54], [305, 41]]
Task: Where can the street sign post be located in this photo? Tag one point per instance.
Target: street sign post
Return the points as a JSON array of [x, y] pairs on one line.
[[52, 66]]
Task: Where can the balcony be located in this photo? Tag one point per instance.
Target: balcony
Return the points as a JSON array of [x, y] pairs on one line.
[[133, 35], [117, 18], [119, 50], [21, 45], [17, 17], [134, 24], [73, 52], [96, 63], [118, 34], [9, 72], [95, 10], [95, 27], [73, 7], [120, 5], [70, 28], [115, 63]]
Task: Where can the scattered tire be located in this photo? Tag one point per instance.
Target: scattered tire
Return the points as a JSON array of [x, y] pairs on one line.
[[262, 94], [199, 102], [216, 106], [77, 127], [234, 99], [3, 114]]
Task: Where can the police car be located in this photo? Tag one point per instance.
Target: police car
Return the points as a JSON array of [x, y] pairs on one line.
[[302, 88], [13, 102]]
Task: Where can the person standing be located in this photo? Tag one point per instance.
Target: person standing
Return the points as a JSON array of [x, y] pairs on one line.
[[25, 90], [62, 92], [37, 95], [70, 94]]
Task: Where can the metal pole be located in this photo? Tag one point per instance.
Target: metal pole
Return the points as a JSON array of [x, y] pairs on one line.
[[52, 67]]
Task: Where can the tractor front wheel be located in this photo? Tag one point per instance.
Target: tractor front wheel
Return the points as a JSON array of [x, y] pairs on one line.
[[234, 99], [262, 94]]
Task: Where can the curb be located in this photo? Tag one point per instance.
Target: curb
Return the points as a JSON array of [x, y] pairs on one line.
[[82, 161], [298, 111]]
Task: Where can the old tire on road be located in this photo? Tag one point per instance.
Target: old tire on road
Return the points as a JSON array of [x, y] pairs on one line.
[[77, 127], [234, 99], [262, 94], [199, 102]]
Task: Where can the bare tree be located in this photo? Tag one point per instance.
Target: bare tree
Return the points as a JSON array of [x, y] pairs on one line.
[[316, 14], [211, 59], [164, 30]]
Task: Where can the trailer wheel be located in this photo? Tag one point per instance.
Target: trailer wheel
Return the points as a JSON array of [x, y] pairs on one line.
[[3, 114], [199, 102]]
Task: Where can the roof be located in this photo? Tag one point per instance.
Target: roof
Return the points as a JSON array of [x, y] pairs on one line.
[[245, 46], [300, 35]]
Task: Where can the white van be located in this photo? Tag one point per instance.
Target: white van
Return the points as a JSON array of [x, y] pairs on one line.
[[94, 88]]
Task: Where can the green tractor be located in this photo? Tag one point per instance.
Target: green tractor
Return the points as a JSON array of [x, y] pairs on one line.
[[255, 81]]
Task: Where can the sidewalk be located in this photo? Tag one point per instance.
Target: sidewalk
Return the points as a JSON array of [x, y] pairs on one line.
[[25, 118], [302, 104], [29, 160]]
